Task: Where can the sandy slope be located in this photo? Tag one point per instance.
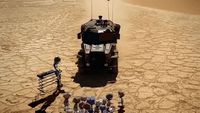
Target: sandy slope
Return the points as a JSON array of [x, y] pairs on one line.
[[184, 6], [159, 55]]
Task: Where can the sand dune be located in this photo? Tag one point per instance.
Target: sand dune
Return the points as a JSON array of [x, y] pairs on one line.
[[184, 6]]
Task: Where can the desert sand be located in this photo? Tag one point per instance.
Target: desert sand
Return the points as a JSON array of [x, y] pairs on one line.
[[183, 6], [159, 64]]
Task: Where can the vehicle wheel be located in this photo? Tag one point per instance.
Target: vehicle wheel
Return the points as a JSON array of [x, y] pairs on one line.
[[115, 70], [115, 66], [81, 67], [81, 70]]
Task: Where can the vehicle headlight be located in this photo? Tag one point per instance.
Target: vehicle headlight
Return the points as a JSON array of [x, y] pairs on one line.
[[107, 48], [87, 48]]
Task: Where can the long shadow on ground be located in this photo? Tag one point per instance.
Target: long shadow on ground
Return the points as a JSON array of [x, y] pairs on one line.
[[47, 101], [94, 78]]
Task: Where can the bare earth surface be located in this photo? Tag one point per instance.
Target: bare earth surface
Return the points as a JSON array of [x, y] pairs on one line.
[[184, 6], [159, 67]]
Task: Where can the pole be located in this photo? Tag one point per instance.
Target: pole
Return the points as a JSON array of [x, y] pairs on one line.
[[91, 8], [112, 9], [108, 10]]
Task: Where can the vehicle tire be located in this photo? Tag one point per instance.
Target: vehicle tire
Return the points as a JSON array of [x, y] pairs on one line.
[[81, 65], [115, 66], [81, 70]]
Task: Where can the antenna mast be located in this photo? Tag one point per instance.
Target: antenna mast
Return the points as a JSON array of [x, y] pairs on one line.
[[112, 9], [91, 9], [108, 10]]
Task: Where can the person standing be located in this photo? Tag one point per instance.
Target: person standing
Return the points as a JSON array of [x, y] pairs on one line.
[[57, 60]]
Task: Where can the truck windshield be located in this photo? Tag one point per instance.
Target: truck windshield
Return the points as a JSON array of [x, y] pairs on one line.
[[98, 38]]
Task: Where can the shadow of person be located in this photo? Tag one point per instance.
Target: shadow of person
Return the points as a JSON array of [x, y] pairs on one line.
[[47, 101], [94, 78]]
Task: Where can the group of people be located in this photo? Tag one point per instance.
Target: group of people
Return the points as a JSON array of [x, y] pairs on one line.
[[91, 105]]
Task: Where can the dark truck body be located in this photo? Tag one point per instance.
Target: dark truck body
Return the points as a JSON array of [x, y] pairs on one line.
[[99, 39]]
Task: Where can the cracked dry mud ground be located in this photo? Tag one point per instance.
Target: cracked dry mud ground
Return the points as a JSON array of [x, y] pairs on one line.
[[159, 67]]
